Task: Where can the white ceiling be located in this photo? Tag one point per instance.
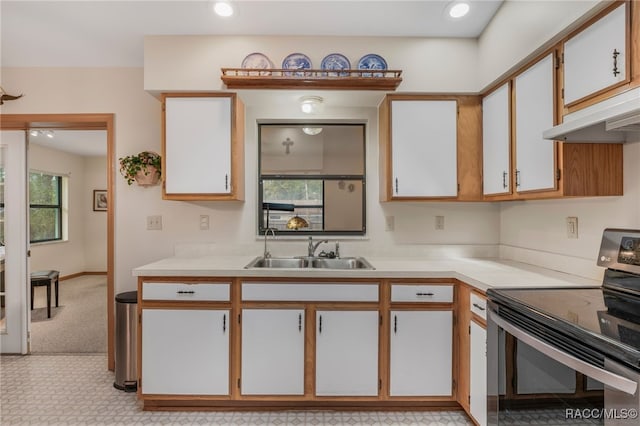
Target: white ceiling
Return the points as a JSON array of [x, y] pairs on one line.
[[110, 33], [86, 143]]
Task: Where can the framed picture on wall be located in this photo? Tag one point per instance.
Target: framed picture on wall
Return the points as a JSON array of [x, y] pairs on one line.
[[99, 200]]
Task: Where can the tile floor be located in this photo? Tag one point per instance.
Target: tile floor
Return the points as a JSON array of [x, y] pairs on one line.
[[78, 390]]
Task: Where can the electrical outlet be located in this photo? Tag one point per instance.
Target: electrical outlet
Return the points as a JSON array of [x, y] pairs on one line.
[[154, 223], [440, 223], [204, 222], [572, 227], [389, 223]]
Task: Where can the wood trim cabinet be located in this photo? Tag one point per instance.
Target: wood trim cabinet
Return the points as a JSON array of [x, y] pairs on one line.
[[369, 350], [471, 335], [202, 146], [529, 167], [430, 148], [601, 58]]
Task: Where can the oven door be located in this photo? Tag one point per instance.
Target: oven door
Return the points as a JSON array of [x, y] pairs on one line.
[[530, 381]]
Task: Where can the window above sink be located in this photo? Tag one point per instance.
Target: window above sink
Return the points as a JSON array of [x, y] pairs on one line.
[[317, 167]]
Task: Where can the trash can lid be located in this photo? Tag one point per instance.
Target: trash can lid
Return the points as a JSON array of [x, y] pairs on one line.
[[127, 297]]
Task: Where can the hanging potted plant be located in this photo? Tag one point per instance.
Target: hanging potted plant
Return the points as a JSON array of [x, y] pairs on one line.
[[144, 168]]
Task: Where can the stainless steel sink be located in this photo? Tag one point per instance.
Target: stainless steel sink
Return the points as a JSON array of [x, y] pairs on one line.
[[313, 262], [341, 263], [278, 262]]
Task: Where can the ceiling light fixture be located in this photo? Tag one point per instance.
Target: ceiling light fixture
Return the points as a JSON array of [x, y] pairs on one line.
[[223, 8], [458, 10], [312, 131], [311, 104]]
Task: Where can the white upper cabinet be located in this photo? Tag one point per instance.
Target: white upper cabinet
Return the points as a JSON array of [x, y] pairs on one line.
[[496, 142], [534, 100], [202, 147], [595, 58], [424, 148]]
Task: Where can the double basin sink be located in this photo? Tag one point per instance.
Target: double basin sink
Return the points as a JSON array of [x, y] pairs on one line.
[[310, 262]]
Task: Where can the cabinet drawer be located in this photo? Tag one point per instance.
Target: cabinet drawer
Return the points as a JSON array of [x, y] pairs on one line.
[[186, 291], [426, 293], [321, 292], [478, 305]]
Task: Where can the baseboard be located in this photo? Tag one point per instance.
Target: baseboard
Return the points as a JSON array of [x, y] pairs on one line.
[[80, 274]]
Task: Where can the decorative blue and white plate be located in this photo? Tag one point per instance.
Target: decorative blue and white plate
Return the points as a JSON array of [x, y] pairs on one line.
[[296, 61], [336, 61], [257, 60], [372, 62]]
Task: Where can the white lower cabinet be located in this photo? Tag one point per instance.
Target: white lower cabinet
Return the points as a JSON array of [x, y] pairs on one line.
[[272, 352], [421, 353], [185, 351], [347, 353], [478, 374]]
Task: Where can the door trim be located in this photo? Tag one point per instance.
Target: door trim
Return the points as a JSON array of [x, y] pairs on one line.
[[84, 122]]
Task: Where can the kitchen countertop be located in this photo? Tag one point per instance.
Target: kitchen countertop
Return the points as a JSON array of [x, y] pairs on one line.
[[479, 273]]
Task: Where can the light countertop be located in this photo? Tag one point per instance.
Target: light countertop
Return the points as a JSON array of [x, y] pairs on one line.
[[480, 273]]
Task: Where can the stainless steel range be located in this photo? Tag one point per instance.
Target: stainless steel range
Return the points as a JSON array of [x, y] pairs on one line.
[[569, 355]]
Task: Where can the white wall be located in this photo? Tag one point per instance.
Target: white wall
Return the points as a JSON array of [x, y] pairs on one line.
[[95, 223], [177, 63], [85, 246], [520, 28], [535, 231]]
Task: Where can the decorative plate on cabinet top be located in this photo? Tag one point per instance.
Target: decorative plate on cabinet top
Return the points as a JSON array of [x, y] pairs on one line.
[[336, 61], [296, 61], [257, 60], [372, 62]]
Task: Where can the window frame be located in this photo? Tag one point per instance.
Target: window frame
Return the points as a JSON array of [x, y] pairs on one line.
[[304, 232], [58, 207]]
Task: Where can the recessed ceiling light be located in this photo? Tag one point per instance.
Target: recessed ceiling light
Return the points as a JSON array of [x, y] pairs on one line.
[[458, 10], [223, 8]]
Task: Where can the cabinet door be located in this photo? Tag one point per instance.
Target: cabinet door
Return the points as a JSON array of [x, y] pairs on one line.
[[496, 142], [272, 352], [421, 353], [595, 58], [424, 148], [535, 156], [478, 376], [197, 154], [347, 353], [185, 352]]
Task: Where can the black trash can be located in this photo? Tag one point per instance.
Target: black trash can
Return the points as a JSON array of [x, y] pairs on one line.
[[126, 341]]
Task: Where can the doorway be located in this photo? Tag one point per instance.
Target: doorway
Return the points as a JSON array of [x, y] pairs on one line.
[[103, 122], [68, 234]]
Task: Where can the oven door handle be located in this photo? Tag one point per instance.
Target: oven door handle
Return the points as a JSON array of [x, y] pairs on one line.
[[608, 378]]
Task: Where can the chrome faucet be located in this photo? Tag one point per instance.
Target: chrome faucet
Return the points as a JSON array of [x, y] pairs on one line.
[[266, 254], [314, 246]]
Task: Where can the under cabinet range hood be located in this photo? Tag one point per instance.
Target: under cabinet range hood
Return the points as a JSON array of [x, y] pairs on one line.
[[613, 120]]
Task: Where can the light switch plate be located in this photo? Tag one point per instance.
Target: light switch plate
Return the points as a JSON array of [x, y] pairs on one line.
[[204, 222], [572, 227]]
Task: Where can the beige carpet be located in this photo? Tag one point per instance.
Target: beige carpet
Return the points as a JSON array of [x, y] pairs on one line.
[[79, 324]]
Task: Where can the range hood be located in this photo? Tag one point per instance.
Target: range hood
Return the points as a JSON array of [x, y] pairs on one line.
[[612, 120]]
